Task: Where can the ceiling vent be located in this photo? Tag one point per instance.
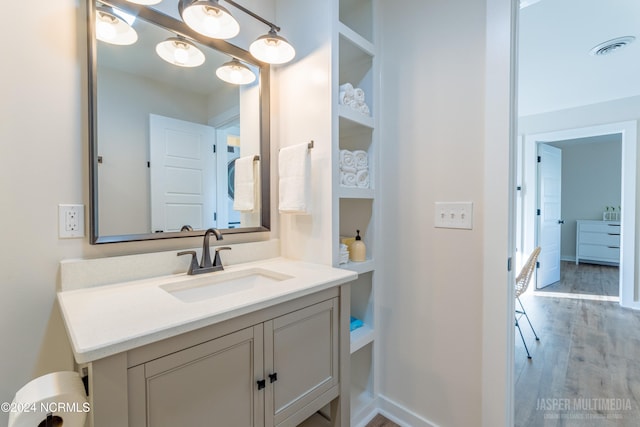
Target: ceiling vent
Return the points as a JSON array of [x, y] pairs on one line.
[[611, 46]]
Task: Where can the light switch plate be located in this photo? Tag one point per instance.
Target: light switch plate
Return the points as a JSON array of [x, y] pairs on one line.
[[454, 215], [71, 221]]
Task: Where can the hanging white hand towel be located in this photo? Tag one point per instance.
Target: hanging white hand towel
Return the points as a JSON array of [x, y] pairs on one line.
[[295, 179], [246, 184]]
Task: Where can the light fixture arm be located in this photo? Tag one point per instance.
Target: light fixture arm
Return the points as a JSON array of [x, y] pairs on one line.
[[256, 16]]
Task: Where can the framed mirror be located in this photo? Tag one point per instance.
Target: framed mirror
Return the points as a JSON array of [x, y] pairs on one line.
[[165, 139]]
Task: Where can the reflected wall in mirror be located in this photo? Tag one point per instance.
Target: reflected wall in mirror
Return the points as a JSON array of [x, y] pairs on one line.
[[166, 139]]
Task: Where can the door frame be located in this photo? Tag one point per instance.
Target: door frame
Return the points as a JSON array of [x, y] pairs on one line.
[[628, 130]]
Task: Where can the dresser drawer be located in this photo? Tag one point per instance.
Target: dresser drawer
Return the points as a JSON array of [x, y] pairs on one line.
[[598, 227], [604, 239], [596, 252]]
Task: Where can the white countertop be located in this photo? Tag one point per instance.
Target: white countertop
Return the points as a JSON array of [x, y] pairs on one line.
[[110, 319]]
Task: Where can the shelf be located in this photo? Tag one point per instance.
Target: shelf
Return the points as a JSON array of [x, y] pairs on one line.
[[356, 39], [361, 337], [355, 193], [359, 267], [354, 117]]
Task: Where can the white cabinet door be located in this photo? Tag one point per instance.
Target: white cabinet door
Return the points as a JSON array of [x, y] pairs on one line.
[[211, 384], [301, 349]]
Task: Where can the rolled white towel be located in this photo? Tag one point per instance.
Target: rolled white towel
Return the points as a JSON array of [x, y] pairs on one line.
[[364, 109], [347, 160], [348, 179], [358, 94], [348, 88], [347, 93], [361, 159], [362, 178], [353, 104], [348, 169]]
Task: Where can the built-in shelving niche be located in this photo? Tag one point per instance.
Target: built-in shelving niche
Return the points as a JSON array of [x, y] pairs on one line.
[[358, 15], [356, 214], [362, 399], [362, 300]]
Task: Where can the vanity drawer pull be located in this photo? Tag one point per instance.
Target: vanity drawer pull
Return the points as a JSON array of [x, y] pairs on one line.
[[613, 247], [613, 234]]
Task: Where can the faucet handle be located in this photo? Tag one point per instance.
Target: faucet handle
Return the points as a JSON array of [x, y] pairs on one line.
[[217, 262], [194, 260]]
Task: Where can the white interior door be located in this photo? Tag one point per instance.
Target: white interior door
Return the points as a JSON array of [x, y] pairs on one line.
[[183, 174], [549, 214]]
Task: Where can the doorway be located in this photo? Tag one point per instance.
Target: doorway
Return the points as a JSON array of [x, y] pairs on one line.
[[526, 227]]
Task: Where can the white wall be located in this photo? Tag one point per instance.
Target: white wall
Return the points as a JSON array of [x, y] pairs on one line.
[[432, 149], [591, 180], [43, 162]]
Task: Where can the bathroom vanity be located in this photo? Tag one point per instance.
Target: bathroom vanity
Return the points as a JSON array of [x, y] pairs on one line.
[[261, 344]]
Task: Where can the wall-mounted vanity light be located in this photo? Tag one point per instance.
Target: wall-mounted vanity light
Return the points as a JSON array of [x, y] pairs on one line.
[[235, 72], [111, 28], [208, 18], [180, 51], [272, 48]]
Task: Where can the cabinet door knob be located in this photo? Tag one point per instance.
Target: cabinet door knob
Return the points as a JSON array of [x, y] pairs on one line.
[[261, 384], [561, 221], [273, 377]]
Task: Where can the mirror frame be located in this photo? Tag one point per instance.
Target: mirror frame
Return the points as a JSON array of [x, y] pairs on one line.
[[153, 16]]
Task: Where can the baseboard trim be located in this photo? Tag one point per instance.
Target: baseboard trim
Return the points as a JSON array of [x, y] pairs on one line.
[[401, 415]]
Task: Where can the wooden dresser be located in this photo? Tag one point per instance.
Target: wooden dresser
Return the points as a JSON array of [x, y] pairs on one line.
[[598, 242]]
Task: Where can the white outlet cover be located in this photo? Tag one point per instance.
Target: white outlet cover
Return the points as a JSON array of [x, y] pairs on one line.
[[70, 221]]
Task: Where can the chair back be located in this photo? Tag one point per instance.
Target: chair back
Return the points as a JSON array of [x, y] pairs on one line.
[[523, 279]]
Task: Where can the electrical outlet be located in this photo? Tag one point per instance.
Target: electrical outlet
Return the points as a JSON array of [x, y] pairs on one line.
[[71, 221], [454, 215]]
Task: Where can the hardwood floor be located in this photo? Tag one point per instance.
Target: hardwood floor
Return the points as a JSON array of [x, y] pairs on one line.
[[380, 421], [585, 370], [588, 279]]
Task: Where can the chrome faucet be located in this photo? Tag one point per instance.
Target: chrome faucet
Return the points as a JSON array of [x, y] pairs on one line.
[[206, 266]]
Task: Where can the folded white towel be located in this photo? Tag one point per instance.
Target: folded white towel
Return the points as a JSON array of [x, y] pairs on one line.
[[358, 95], [348, 179], [347, 160], [294, 166], [246, 184], [361, 159], [362, 178]]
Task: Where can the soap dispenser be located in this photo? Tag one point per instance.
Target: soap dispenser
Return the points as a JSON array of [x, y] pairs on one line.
[[358, 250]]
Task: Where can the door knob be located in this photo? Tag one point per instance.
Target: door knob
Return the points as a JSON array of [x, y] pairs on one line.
[[561, 221]]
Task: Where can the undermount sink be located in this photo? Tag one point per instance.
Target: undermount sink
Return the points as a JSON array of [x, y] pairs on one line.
[[219, 284]]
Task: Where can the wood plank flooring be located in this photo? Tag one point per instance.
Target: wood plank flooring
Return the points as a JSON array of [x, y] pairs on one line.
[[590, 279], [381, 421], [585, 369]]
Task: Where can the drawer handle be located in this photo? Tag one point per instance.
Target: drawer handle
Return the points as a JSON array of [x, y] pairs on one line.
[[261, 384], [613, 247], [273, 377], [613, 225], [613, 234]]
